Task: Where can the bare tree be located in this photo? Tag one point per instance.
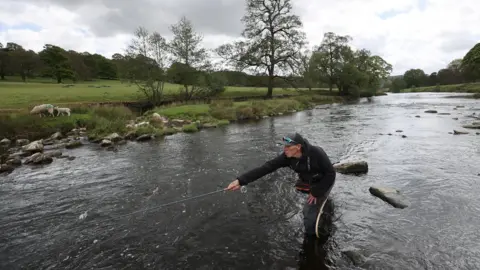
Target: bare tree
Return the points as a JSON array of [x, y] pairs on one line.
[[273, 41], [187, 50], [146, 63]]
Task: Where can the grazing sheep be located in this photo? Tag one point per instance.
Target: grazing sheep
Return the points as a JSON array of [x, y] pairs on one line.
[[62, 111], [41, 109]]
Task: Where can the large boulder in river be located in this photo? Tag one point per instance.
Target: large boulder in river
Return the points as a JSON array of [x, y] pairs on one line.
[[351, 167], [390, 196], [38, 158], [33, 147]]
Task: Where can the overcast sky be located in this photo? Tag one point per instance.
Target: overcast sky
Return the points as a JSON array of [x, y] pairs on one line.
[[425, 34]]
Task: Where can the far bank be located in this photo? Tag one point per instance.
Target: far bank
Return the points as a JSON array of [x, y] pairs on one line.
[[101, 121]]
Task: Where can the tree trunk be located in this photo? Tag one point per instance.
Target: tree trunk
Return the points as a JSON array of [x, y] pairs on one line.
[[270, 83], [59, 79]]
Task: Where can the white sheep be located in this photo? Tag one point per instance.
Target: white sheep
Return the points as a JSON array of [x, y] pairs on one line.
[[62, 111], [41, 109]]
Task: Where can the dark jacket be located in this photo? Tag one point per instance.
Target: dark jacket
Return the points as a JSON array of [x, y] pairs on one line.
[[313, 168]]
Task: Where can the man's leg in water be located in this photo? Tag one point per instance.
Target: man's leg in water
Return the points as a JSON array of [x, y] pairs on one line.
[[311, 211]]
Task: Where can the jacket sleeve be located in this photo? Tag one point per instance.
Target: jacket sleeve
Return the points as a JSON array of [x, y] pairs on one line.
[[268, 167], [325, 179]]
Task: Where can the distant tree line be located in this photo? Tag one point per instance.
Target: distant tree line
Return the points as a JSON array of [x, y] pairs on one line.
[[273, 53], [458, 71]]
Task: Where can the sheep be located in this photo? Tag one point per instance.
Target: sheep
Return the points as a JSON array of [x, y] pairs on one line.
[[62, 111], [41, 109]]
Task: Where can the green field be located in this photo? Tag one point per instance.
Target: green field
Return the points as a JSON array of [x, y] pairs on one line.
[[18, 95], [457, 88]]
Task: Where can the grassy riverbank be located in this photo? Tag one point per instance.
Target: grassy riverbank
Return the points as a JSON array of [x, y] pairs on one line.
[[19, 95], [102, 121], [452, 88]]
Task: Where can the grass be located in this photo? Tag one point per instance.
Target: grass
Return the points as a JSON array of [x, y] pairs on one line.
[[456, 88], [18, 95]]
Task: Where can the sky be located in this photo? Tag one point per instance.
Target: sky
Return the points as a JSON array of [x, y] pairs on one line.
[[408, 34]]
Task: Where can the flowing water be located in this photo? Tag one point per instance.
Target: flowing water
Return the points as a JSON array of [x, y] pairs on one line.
[[77, 214]]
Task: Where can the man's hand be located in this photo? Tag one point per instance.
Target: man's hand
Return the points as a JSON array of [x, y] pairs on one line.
[[311, 199], [235, 185]]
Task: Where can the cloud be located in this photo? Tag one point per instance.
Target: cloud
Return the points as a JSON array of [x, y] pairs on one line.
[[422, 34]]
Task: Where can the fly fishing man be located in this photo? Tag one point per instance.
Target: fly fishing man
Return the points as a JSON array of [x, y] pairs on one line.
[[315, 171]]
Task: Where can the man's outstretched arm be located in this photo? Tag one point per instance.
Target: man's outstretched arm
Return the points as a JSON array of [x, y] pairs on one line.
[[268, 167]]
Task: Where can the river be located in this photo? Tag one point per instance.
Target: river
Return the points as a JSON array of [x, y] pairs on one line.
[[77, 214]]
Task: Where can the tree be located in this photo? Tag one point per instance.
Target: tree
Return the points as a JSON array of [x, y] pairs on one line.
[[272, 43], [415, 78], [190, 56], [146, 62], [331, 55], [398, 84], [306, 70], [23, 62], [58, 65], [471, 63], [3, 61]]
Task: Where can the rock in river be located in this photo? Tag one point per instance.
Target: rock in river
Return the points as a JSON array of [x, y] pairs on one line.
[[33, 147], [389, 195], [458, 132], [351, 167], [39, 158]]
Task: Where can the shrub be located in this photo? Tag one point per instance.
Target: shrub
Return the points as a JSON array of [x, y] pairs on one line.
[[190, 128]]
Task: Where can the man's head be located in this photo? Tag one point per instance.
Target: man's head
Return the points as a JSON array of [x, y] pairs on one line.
[[292, 145]]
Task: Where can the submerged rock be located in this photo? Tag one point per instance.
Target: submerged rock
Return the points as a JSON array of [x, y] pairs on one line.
[[354, 256], [389, 195], [351, 167]]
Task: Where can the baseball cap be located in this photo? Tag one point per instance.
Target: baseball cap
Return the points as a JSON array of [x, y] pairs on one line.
[[291, 139]]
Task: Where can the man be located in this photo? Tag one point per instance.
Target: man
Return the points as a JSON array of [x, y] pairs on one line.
[[315, 171]]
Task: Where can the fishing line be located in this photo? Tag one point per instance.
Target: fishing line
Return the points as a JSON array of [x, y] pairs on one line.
[[243, 189]]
